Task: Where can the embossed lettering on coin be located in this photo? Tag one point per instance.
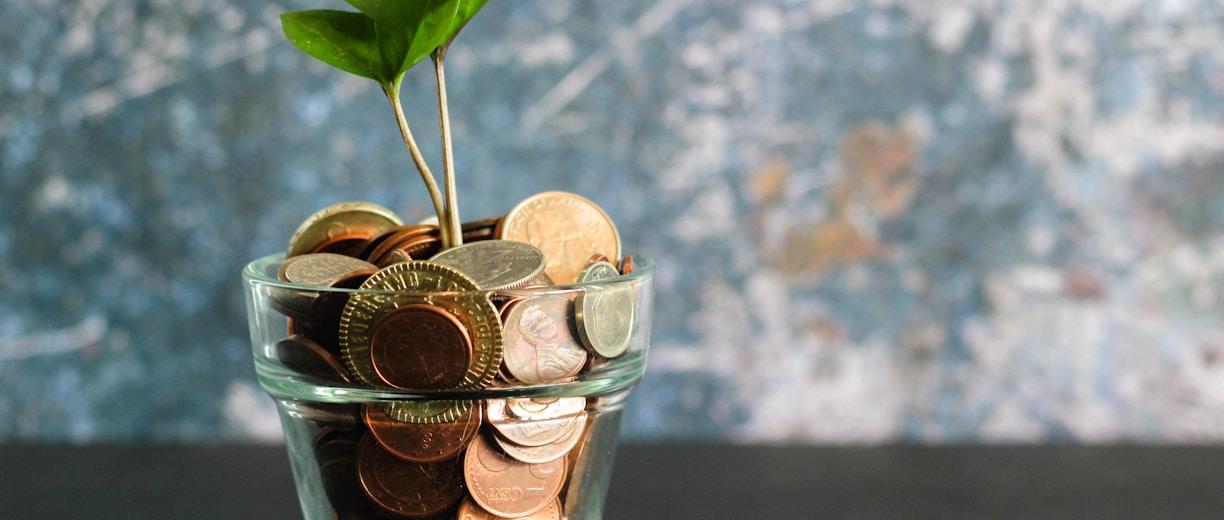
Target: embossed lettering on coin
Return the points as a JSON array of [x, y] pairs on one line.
[[506, 487], [568, 228], [538, 345]]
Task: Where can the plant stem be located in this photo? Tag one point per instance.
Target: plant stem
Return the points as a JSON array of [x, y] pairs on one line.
[[448, 157], [392, 91]]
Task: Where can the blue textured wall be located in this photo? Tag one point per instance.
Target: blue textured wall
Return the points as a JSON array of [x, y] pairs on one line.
[[875, 220]]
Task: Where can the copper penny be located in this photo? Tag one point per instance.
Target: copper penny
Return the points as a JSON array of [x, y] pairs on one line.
[[468, 510], [421, 282], [626, 265], [326, 309], [341, 226], [423, 443], [306, 357], [568, 228], [539, 346], [478, 230], [507, 487], [408, 488], [419, 346]]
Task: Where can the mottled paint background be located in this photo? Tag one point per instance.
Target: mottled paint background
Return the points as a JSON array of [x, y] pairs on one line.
[[875, 220]]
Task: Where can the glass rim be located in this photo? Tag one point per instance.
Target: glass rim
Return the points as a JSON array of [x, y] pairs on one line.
[[255, 272]]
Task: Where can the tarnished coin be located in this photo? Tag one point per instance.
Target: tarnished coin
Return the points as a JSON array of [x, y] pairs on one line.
[[342, 226], [408, 488], [550, 424], [420, 347], [414, 282], [321, 269], [323, 323], [423, 443], [604, 312], [568, 228], [306, 357], [495, 264], [506, 487], [539, 346], [546, 452], [468, 510], [536, 408], [626, 266]]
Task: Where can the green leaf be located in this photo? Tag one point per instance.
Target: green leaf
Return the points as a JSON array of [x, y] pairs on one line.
[[342, 39], [409, 30], [366, 6], [467, 10]]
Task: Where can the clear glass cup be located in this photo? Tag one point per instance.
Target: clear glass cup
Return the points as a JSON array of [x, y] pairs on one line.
[[332, 422]]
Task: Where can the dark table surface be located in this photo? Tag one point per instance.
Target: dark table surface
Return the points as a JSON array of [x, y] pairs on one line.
[[665, 482]]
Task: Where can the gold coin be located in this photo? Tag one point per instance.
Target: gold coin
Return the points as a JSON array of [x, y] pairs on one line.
[[414, 283], [353, 222], [568, 228]]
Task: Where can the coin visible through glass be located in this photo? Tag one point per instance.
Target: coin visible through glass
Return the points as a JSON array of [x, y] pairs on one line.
[[568, 228], [468, 510], [506, 487], [548, 424], [423, 443], [604, 312], [419, 346], [538, 345], [408, 488], [550, 451]]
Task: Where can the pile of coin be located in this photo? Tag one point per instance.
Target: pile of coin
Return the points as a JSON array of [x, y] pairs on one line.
[[460, 319]]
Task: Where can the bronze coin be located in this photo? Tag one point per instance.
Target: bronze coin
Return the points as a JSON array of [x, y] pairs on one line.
[[423, 443], [377, 240], [403, 239], [341, 226], [626, 265], [306, 357], [422, 282], [468, 510], [408, 488], [324, 322], [478, 230], [420, 347], [506, 487]]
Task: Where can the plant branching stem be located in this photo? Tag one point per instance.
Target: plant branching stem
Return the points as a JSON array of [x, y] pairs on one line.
[[452, 220], [392, 90]]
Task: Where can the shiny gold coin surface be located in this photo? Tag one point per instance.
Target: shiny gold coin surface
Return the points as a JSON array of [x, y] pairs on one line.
[[506, 487], [568, 228], [408, 488], [495, 264], [346, 221], [414, 283], [538, 345], [604, 312], [468, 510]]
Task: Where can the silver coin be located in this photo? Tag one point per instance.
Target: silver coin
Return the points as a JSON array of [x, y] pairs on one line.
[[546, 452], [495, 264], [538, 345], [604, 312], [546, 425]]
